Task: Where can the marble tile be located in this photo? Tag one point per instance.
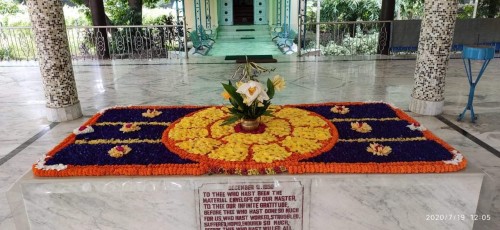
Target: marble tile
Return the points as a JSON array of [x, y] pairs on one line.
[[360, 201]]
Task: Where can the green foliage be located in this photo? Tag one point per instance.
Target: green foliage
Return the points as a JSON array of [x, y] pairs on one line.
[[8, 7], [4, 54], [158, 19], [465, 12], [359, 45], [240, 110], [119, 12], [410, 9], [155, 3], [488, 9], [246, 74], [349, 10]]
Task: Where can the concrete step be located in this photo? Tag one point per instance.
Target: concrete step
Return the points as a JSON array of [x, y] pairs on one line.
[[236, 40], [235, 27], [240, 35], [243, 33], [229, 37]]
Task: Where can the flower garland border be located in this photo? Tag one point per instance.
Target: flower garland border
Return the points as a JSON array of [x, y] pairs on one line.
[[391, 167], [222, 167], [295, 168], [117, 170]]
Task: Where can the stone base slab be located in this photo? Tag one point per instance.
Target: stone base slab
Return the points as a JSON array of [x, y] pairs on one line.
[[431, 108], [339, 201], [68, 113]]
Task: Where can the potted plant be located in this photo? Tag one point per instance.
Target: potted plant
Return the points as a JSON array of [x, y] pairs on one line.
[[249, 98]]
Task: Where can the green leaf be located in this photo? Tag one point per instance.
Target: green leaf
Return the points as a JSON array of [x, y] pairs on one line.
[[235, 111], [234, 95], [233, 103], [270, 89], [263, 109], [230, 120], [268, 113]]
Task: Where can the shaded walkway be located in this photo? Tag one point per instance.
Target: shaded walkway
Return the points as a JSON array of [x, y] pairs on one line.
[[244, 40]]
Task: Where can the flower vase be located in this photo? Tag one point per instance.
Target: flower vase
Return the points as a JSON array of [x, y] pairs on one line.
[[250, 124]]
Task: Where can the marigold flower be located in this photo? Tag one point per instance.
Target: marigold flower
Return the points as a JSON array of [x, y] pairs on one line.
[[225, 95], [339, 109], [151, 113], [130, 127], [361, 127], [119, 151], [378, 149]]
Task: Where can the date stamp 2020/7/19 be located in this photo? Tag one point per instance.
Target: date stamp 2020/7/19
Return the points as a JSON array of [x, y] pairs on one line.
[[457, 217]]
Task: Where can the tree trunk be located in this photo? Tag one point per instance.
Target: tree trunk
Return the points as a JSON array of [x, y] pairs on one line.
[[136, 8], [386, 14], [493, 7], [108, 21], [101, 35]]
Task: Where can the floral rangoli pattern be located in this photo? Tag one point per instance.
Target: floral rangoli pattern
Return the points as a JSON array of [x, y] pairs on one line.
[[352, 137]]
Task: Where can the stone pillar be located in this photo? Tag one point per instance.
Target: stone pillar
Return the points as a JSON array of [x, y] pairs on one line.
[[434, 46], [55, 60]]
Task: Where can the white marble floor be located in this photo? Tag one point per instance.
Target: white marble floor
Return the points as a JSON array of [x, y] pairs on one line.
[[197, 81]]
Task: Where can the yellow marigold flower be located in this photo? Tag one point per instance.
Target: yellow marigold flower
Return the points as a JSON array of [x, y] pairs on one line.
[[266, 119], [249, 139], [179, 134], [278, 127], [269, 153], [200, 146], [300, 145], [291, 113], [119, 151], [253, 172], [230, 152], [211, 114], [270, 171], [278, 82], [219, 131], [361, 127], [130, 127], [312, 133], [193, 122], [225, 109], [225, 95], [378, 149], [340, 109], [310, 121], [151, 113]]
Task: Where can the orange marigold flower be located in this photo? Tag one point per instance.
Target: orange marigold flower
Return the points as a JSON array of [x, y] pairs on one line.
[[225, 95]]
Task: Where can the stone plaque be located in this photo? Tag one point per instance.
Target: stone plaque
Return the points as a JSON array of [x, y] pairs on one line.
[[274, 205]]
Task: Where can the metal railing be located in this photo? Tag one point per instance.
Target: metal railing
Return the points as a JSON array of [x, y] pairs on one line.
[[344, 38], [102, 42]]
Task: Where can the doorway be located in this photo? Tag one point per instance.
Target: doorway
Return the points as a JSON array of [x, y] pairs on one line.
[[243, 12]]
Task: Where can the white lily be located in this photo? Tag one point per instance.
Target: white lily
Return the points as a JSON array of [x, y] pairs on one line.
[[253, 90]]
